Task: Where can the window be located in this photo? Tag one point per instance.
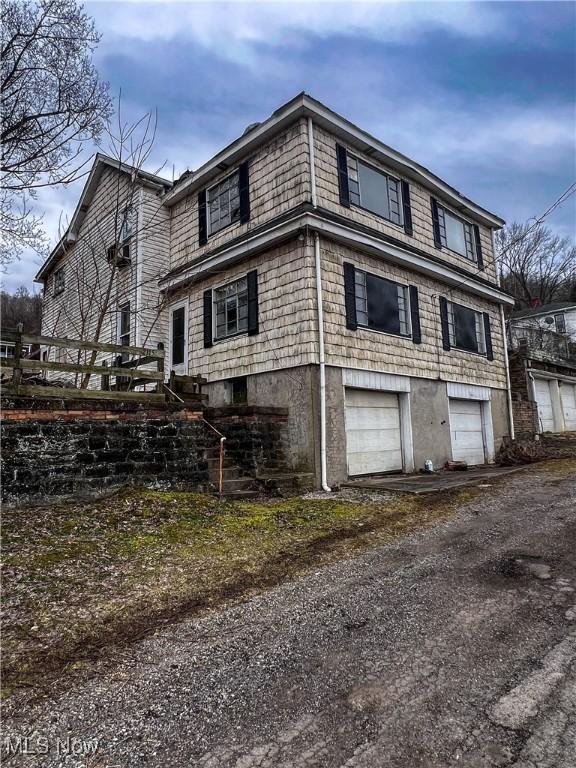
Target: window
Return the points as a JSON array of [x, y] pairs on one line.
[[466, 328], [239, 390], [560, 322], [126, 227], [456, 234], [381, 304], [231, 308], [59, 281], [178, 336], [374, 190], [124, 325], [223, 203]]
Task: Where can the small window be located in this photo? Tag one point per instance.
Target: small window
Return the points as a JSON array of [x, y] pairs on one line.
[[560, 322], [374, 190], [178, 335], [456, 234], [223, 203], [126, 225], [239, 390], [466, 327], [381, 304], [59, 281], [231, 308], [124, 325]]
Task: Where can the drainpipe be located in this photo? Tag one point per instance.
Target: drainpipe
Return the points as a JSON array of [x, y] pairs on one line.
[[322, 360], [508, 387]]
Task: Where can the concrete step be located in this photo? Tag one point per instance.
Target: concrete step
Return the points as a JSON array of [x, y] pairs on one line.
[[238, 483], [241, 494]]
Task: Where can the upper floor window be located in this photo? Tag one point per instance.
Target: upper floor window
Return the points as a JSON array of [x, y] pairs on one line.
[[223, 203], [374, 190], [126, 225], [560, 322], [231, 308], [466, 328], [381, 304], [124, 325], [59, 281], [456, 234]]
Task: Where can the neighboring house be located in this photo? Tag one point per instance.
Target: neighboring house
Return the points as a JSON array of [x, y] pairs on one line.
[[542, 346], [312, 267]]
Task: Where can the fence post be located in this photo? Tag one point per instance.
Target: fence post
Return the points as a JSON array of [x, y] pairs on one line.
[[105, 378], [17, 371]]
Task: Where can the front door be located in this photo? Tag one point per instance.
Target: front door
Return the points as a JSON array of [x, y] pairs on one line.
[[179, 338]]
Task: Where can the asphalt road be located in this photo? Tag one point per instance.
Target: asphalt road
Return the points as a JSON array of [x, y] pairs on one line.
[[454, 647]]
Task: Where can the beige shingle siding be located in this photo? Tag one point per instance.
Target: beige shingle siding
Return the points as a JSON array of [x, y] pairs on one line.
[[423, 233], [286, 313], [371, 350], [279, 181]]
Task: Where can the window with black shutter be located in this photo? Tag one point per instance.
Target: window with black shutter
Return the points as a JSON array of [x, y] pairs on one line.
[[381, 304], [178, 335]]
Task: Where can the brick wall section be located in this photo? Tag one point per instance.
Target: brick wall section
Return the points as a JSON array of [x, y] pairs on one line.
[[256, 437], [525, 414], [80, 448]]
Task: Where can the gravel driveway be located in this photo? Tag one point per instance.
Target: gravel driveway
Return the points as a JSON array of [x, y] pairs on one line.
[[454, 647]]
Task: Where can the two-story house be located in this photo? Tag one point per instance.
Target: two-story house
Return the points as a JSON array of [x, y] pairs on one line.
[[315, 268]]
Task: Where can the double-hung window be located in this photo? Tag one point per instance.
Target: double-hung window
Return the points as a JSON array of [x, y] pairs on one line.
[[126, 225], [231, 308], [374, 190], [381, 304], [223, 203], [466, 328], [560, 323], [456, 234], [59, 281], [124, 325]]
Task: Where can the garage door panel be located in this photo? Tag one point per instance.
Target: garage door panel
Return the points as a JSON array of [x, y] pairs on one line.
[[544, 403], [568, 396], [466, 431], [371, 440], [373, 435]]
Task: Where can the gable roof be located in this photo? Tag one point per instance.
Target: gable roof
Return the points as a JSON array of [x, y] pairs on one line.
[[544, 309], [100, 163], [304, 105]]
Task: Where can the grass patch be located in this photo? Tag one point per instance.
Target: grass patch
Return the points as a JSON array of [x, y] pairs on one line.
[[79, 578]]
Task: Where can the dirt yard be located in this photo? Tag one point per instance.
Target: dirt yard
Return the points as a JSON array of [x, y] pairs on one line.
[[80, 578]]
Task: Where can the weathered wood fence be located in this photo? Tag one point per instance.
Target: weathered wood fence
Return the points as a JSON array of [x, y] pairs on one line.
[[116, 381]]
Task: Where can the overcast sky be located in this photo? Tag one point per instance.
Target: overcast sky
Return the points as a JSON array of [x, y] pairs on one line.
[[480, 93]]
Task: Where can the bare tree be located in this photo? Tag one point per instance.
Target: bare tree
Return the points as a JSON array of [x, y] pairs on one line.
[[21, 307], [535, 264], [52, 103], [100, 277]]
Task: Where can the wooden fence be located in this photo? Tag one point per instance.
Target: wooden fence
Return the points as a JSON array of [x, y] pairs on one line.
[[116, 381]]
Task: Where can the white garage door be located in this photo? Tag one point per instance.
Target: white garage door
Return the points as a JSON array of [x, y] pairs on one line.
[[372, 432], [568, 395], [544, 402], [466, 431]]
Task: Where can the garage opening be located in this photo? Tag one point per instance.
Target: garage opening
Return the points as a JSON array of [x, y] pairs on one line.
[[568, 398], [544, 403], [373, 437], [466, 431]]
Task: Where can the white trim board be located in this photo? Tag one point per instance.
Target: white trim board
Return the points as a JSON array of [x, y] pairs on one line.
[[467, 391], [367, 243], [361, 379]]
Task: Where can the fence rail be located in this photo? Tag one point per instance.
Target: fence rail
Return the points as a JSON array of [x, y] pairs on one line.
[[127, 373]]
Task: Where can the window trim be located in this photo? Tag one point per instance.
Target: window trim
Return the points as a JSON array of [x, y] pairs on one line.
[[180, 369], [389, 176], [406, 287], [56, 291], [215, 338], [444, 209], [563, 316], [479, 319], [209, 232]]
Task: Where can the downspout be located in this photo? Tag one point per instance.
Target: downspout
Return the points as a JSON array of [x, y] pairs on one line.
[[321, 355], [508, 386]]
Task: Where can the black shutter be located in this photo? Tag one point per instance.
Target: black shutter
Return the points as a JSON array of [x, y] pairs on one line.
[[444, 323], [488, 336], [244, 189], [415, 315], [202, 224], [252, 280], [208, 318], [406, 208], [343, 175], [436, 223], [479, 257], [350, 296]]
